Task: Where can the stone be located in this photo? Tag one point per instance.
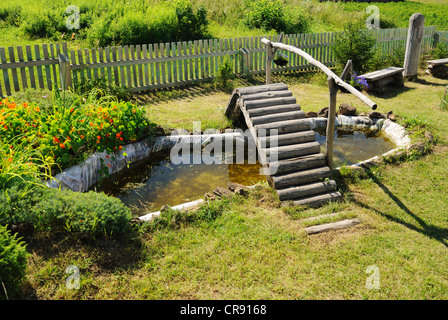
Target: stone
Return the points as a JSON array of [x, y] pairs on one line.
[[347, 110], [238, 188], [221, 192], [429, 136], [323, 112], [391, 116], [419, 147], [311, 114], [375, 115]]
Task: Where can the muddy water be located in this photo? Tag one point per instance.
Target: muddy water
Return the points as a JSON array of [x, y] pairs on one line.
[[149, 184], [350, 147]]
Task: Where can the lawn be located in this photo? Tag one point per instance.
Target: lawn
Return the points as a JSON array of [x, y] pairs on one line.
[[254, 249]]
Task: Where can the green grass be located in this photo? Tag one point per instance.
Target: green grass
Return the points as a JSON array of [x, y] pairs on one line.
[[252, 248]]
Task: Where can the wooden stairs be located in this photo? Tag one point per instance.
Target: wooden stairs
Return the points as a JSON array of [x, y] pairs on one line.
[[300, 173]]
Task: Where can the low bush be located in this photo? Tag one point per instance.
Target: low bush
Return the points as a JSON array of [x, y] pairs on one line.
[[13, 260], [11, 15], [274, 15], [355, 44], [90, 213]]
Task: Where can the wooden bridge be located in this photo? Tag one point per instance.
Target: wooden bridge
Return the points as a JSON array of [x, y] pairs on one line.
[[291, 156], [286, 145]]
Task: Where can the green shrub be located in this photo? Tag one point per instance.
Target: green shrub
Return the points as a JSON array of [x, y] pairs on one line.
[[224, 74], [13, 260], [440, 51], [46, 209], [11, 15], [273, 15], [102, 88], [191, 24], [354, 44]]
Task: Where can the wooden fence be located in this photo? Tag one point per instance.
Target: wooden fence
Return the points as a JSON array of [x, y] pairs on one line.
[[153, 66]]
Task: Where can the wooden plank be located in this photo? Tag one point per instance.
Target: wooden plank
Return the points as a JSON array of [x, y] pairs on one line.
[[54, 66], [307, 190], [22, 70], [180, 63], [332, 226], [156, 55], [151, 56], [145, 66], [87, 57], [332, 87], [15, 77], [184, 53], [319, 200], [39, 69], [29, 57], [115, 69], [252, 104], [122, 71], [134, 67], [75, 72], [81, 63], [383, 73], [174, 68], [286, 126], [196, 60], [169, 71], [140, 67], [299, 163], [109, 70], [300, 177], [293, 151], [212, 59], [95, 72], [47, 67], [128, 67], [162, 64], [191, 69], [278, 116], [5, 72]]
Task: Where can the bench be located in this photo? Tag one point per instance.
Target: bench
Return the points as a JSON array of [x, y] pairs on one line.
[[437, 68], [377, 80]]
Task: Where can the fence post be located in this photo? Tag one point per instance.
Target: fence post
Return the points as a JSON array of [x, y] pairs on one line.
[[65, 72], [436, 39], [269, 58], [333, 88], [413, 45]]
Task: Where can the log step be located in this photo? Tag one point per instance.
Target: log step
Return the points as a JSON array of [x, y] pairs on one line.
[[332, 226], [268, 102], [262, 88], [267, 95], [273, 109], [300, 177], [307, 190], [280, 116], [291, 151], [297, 164], [319, 200], [285, 126], [288, 138]]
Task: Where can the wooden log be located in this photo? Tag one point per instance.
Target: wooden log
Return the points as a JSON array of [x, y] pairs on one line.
[[295, 150], [269, 102], [307, 190], [261, 88], [332, 226], [298, 164], [64, 72], [330, 123], [288, 138], [285, 126], [325, 69], [273, 109], [319, 200], [268, 95], [300, 177], [413, 45], [280, 116]]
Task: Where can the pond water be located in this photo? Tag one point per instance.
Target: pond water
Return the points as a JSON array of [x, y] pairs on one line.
[[149, 184], [351, 147]]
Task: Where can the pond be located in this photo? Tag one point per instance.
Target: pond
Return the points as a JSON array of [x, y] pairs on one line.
[[149, 184]]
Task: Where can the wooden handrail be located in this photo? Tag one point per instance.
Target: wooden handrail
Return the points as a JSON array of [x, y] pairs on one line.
[[321, 66]]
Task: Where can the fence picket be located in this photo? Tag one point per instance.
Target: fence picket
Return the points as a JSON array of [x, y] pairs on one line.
[[5, 72]]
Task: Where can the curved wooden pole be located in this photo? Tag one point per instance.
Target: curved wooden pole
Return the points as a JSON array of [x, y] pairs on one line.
[[324, 68]]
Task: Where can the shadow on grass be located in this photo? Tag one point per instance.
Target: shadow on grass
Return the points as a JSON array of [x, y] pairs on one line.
[[434, 232], [390, 92]]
